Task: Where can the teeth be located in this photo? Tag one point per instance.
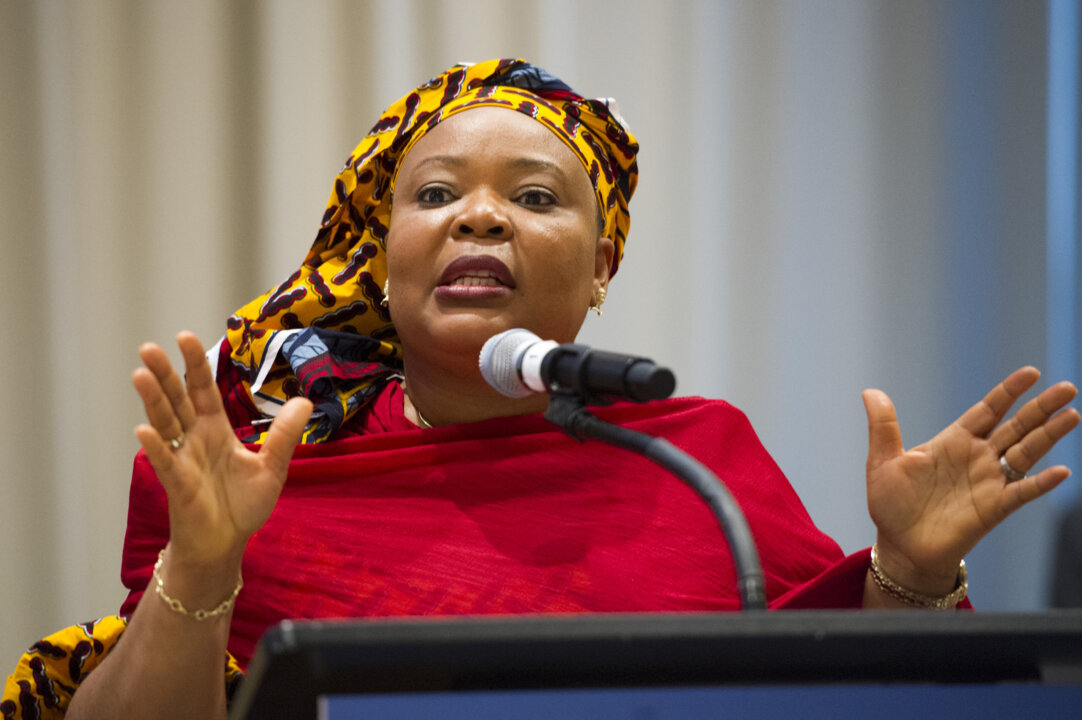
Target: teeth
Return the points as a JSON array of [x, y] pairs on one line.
[[473, 280]]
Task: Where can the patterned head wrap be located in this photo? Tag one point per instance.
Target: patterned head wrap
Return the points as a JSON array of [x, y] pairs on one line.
[[322, 333]]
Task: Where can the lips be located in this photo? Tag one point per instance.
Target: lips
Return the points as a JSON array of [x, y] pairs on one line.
[[476, 270]]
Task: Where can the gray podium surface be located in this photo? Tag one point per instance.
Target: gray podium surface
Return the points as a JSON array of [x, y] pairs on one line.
[[360, 668]]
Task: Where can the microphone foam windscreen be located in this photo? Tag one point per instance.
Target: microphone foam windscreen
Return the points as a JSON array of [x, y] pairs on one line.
[[498, 360]]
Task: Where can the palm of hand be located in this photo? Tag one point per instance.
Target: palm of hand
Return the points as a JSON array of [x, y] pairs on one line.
[[937, 497], [220, 492], [224, 491], [933, 503]]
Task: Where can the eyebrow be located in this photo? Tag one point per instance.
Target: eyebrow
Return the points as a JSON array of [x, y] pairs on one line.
[[521, 163], [451, 160], [537, 164]]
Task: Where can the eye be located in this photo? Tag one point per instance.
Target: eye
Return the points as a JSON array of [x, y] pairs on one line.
[[536, 198], [434, 195]]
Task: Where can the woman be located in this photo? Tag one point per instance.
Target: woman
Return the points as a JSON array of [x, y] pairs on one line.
[[440, 496]]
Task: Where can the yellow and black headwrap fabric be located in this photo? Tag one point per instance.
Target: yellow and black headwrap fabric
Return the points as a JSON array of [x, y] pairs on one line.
[[322, 333]]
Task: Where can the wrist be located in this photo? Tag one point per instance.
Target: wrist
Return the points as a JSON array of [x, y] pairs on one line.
[[924, 578], [907, 595], [196, 589]]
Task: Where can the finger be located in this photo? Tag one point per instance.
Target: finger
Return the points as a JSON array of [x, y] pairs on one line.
[[884, 435], [159, 453], [159, 410], [983, 417], [1017, 494], [284, 434], [202, 390], [171, 384], [1032, 415], [1027, 452]]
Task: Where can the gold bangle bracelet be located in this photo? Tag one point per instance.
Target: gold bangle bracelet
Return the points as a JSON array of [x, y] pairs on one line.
[[178, 607], [916, 599]]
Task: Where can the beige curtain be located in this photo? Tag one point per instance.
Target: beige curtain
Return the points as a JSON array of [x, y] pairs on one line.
[[816, 178]]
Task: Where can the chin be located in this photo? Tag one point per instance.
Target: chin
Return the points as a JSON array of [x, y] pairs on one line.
[[465, 332]]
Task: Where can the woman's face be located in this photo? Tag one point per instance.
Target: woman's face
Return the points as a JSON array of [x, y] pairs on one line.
[[494, 226]]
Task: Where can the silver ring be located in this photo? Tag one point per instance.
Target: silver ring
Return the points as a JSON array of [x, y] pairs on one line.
[[178, 442], [1012, 474]]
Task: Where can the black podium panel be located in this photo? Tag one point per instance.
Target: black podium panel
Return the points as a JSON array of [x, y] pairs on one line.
[[1028, 658]]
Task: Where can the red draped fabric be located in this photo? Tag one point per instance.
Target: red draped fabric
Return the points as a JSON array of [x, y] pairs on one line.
[[511, 515]]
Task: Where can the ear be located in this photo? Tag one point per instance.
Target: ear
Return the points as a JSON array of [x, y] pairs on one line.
[[603, 255]]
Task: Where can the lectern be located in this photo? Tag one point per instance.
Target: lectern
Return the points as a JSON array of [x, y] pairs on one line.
[[765, 664]]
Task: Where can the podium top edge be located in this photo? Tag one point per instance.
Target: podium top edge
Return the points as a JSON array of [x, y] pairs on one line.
[[851, 623]]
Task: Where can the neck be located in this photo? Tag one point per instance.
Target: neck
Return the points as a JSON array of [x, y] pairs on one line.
[[440, 396]]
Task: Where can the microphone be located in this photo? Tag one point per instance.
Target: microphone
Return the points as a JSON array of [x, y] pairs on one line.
[[516, 363]]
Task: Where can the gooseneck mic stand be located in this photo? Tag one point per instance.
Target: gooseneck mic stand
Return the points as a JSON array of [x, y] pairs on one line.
[[568, 410]]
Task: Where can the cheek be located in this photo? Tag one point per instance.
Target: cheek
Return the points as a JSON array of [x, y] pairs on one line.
[[406, 251], [565, 258]]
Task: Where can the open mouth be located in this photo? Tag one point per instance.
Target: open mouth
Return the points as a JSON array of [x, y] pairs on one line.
[[476, 271], [477, 278]]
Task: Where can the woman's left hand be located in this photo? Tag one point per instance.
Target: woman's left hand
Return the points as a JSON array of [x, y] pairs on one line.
[[933, 503]]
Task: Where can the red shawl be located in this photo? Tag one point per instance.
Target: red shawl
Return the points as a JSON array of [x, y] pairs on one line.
[[510, 516]]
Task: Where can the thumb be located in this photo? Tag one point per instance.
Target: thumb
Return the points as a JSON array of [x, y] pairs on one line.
[[884, 435], [285, 433]]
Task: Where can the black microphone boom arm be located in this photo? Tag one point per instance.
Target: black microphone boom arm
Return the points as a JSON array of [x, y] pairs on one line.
[[568, 410], [600, 376]]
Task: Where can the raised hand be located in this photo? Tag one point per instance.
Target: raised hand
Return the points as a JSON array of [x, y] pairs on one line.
[[219, 492], [933, 503]]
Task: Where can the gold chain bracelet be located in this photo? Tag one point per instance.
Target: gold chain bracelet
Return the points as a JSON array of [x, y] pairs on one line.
[[178, 607], [916, 599]]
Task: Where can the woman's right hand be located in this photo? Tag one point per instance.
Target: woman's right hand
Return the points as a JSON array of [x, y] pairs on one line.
[[219, 491]]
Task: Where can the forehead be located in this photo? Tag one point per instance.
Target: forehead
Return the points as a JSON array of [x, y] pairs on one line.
[[493, 133]]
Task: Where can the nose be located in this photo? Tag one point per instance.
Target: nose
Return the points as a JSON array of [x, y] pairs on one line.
[[482, 216]]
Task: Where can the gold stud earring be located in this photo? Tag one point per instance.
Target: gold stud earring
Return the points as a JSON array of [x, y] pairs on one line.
[[599, 300], [386, 286]]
